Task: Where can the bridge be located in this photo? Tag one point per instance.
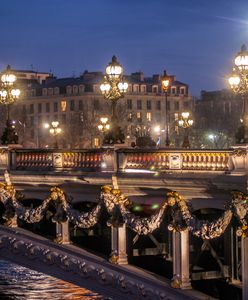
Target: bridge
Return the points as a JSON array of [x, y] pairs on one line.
[[201, 178]]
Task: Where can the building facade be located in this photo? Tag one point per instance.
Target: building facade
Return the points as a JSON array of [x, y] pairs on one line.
[[77, 104], [218, 115]]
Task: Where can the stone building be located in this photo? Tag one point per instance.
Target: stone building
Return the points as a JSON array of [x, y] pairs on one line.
[[218, 115], [77, 104]]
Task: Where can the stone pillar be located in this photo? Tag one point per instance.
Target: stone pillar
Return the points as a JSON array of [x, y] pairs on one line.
[[244, 263], [181, 277], [114, 240], [62, 233], [122, 245], [118, 245]]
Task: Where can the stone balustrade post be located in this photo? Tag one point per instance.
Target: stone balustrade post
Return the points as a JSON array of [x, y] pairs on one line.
[[62, 233], [118, 245], [122, 245], [244, 263], [181, 278]]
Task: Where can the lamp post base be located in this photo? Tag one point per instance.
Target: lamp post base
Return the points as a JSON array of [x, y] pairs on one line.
[[9, 134], [114, 136]]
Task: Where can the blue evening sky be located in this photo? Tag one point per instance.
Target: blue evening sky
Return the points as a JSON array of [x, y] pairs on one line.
[[194, 39]]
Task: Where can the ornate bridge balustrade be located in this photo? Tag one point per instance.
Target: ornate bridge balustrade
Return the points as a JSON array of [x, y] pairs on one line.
[[163, 160], [126, 160], [47, 159], [180, 222]]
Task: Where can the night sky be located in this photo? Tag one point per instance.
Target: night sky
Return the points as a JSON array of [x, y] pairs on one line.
[[196, 40]]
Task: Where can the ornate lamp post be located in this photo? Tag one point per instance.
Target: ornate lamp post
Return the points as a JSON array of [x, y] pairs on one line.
[[238, 82], [8, 95], [165, 81], [185, 123], [113, 88], [54, 130], [104, 125]]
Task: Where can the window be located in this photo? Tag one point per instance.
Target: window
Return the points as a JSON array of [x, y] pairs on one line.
[[72, 105], [31, 108], [63, 105], [176, 105], [31, 121], [155, 89], [129, 117], [75, 89], [139, 116], [186, 105], [139, 104], [158, 105], [143, 89], [24, 109], [96, 142], [168, 106], [176, 116], [149, 104], [63, 119], [149, 116], [55, 106], [129, 104], [182, 90], [39, 108], [173, 90], [80, 105], [47, 107]]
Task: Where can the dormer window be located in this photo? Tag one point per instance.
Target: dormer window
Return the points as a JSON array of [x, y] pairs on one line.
[[50, 91], [135, 88], [182, 90], [44, 92], [75, 89], [81, 89], [143, 88], [68, 90], [56, 91], [155, 89]]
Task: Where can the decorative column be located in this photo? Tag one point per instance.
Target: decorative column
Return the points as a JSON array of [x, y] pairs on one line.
[[181, 278], [62, 233], [244, 263], [122, 245]]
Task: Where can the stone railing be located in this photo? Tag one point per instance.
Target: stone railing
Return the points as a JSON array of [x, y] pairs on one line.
[[126, 160], [162, 160], [84, 160]]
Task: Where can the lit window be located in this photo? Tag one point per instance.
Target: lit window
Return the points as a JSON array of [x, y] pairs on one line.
[[176, 116], [96, 142], [139, 117], [149, 116], [63, 105]]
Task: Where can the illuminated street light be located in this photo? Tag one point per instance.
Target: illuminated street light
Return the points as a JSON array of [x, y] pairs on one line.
[[8, 95], [104, 125], [238, 82], [165, 81], [113, 88], [54, 130], [185, 123]]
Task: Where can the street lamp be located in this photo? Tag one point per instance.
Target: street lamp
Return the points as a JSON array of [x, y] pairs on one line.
[[238, 82], [104, 125], [113, 88], [8, 95], [165, 81], [54, 130], [185, 123]]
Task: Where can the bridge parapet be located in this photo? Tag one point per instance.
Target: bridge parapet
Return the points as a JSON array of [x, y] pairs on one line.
[[128, 160]]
